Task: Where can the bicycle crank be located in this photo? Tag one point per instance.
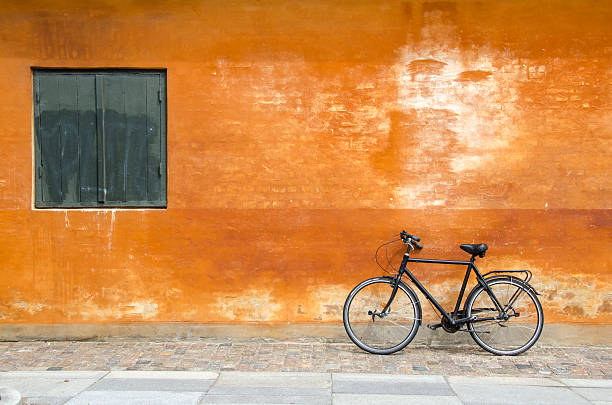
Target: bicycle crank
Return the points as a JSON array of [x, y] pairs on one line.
[[448, 326]]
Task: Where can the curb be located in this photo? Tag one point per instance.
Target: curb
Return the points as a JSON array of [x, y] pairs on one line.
[[9, 396]]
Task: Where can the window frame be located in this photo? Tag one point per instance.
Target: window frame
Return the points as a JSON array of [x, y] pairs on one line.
[[38, 202]]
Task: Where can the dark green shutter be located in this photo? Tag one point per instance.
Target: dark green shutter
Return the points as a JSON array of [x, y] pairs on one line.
[[100, 139], [48, 137], [88, 165]]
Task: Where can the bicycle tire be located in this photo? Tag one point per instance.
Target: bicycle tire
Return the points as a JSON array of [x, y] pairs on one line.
[[511, 336], [381, 335]]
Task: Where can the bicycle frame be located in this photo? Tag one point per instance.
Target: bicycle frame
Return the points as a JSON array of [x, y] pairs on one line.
[[470, 266]]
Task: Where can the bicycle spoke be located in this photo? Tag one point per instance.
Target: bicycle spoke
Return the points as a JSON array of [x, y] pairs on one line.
[[521, 326], [485, 324], [513, 334], [397, 324], [385, 332]]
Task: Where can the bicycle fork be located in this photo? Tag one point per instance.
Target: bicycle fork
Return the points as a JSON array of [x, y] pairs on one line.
[[383, 313]]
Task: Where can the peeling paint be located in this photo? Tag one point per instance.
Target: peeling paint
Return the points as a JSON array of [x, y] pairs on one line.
[[251, 305], [451, 90], [27, 307], [606, 305], [144, 309], [324, 303]]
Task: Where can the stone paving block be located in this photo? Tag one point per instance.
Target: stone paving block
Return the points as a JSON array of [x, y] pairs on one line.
[[71, 375], [275, 379], [394, 388], [587, 382], [595, 394], [182, 375], [493, 394], [543, 382], [266, 399], [135, 398], [49, 387], [272, 391], [431, 379], [152, 384], [9, 396], [353, 399], [45, 400]]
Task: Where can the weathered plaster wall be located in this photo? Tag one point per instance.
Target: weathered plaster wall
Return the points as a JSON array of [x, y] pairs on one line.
[[303, 133]]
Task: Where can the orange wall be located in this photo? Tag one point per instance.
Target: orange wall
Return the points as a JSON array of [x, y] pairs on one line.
[[303, 133]]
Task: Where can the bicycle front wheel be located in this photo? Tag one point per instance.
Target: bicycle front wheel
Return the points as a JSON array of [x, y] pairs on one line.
[[387, 333], [518, 330]]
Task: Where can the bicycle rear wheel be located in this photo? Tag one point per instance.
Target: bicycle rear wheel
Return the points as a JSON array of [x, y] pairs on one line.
[[386, 334], [519, 330]]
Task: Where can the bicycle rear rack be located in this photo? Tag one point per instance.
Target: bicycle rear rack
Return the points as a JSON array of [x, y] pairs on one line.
[[528, 274]]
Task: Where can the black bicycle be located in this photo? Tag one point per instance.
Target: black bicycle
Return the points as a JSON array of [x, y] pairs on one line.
[[502, 313]]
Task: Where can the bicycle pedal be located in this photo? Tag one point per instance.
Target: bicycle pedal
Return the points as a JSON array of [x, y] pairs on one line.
[[434, 326]]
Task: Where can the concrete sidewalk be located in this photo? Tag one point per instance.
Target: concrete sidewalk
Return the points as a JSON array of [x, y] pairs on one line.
[[232, 387]]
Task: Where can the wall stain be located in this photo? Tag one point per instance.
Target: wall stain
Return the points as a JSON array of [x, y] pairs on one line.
[[473, 75], [606, 305]]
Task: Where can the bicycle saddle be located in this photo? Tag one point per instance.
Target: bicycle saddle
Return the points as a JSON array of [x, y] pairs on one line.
[[475, 249]]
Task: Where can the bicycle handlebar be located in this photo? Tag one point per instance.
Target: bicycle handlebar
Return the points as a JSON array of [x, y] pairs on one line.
[[413, 239], [405, 235]]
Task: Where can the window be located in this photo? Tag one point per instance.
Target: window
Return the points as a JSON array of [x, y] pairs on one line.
[[100, 138]]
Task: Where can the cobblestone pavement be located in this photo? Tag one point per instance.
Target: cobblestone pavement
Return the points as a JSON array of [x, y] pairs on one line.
[[308, 356]]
